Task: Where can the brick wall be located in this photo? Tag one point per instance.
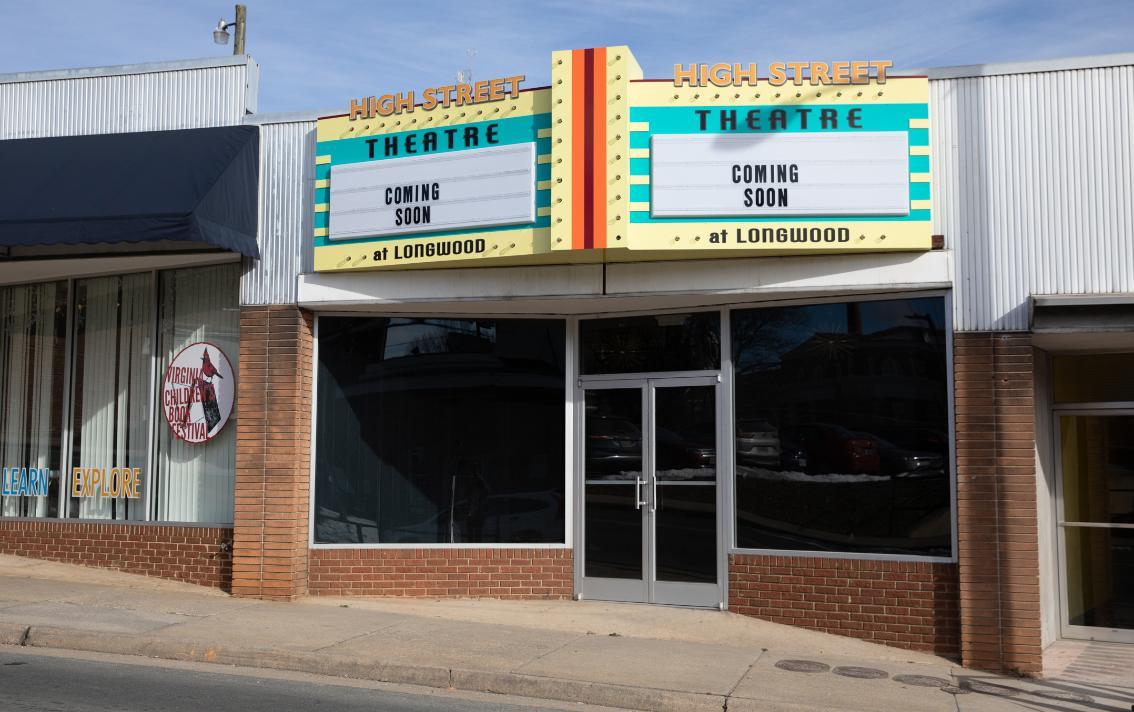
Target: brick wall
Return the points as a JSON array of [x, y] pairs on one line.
[[900, 603], [199, 555], [273, 450], [996, 503], [492, 573]]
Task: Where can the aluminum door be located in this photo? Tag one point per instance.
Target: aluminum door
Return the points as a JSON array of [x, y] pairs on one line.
[[650, 490]]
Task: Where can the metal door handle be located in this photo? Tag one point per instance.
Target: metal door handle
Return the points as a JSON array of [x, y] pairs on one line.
[[638, 482], [654, 494]]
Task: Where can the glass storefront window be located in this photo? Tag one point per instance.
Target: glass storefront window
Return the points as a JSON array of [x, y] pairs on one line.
[[1093, 378], [1098, 468], [646, 344], [1100, 577], [196, 482], [33, 324], [842, 427], [80, 380], [111, 393], [435, 430]]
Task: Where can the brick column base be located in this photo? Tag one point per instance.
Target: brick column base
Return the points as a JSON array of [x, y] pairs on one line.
[[996, 503], [273, 453]]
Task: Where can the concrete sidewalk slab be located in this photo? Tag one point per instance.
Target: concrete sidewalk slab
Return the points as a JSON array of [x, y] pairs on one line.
[[280, 626], [107, 620], [454, 644], [660, 664], [827, 689], [676, 659]]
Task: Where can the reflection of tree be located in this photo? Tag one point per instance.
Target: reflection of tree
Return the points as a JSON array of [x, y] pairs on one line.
[[436, 343], [761, 336], [674, 342]]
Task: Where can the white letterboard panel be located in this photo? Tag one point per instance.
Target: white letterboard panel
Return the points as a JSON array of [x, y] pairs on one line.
[[720, 175], [481, 187]]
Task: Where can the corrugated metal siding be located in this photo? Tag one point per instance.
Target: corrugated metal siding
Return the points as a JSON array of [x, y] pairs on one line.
[[151, 101], [1034, 188], [287, 175]]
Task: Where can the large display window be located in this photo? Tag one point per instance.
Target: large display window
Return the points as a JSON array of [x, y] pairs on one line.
[[83, 429], [440, 431], [842, 425]]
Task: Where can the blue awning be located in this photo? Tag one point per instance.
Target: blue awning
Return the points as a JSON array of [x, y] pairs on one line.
[[193, 185]]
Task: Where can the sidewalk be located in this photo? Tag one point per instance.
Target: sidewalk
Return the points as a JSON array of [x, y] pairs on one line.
[[628, 656]]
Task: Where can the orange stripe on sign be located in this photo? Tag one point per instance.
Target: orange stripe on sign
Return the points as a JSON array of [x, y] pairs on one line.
[[598, 102], [578, 148]]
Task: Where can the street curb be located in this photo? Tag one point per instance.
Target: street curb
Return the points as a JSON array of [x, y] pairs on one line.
[[505, 683]]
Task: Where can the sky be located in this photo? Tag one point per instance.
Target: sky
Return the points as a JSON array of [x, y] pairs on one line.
[[320, 54]]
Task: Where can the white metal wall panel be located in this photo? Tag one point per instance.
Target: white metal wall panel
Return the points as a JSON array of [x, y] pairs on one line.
[[1033, 183], [287, 191], [55, 104]]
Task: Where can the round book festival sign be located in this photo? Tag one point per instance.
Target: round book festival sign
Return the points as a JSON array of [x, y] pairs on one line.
[[198, 392]]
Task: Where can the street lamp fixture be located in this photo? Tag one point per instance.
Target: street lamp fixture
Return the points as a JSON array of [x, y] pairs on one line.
[[220, 34]]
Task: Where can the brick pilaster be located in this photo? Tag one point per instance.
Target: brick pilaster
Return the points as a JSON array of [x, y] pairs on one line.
[[273, 451], [996, 503]]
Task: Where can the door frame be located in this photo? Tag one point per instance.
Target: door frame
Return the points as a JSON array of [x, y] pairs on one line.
[[1066, 629], [646, 591]]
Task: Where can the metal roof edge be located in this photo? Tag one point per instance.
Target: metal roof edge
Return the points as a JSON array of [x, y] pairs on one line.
[[1076, 300], [288, 117], [1093, 61], [126, 69]]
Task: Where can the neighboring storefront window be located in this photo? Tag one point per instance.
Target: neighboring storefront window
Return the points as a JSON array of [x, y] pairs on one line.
[[33, 323], [196, 481], [435, 430], [842, 427], [112, 390], [96, 427]]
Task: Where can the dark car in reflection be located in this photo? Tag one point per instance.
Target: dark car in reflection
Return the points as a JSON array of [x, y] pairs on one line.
[[830, 448], [757, 443], [897, 461], [613, 447]]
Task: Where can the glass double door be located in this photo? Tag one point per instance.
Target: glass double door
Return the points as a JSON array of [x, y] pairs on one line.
[[650, 500]]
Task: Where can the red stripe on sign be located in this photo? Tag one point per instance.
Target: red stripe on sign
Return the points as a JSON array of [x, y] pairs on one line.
[[598, 157], [589, 148]]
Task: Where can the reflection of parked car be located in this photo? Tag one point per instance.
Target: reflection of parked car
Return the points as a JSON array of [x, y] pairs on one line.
[[696, 451], [834, 449], [614, 445], [899, 461], [757, 443]]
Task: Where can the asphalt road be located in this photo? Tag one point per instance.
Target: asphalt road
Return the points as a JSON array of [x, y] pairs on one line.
[[79, 684]]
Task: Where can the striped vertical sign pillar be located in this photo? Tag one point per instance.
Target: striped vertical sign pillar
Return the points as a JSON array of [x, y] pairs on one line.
[[590, 152]]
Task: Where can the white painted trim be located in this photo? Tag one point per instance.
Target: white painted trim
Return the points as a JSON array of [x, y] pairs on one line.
[[625, 287], [314, 429]]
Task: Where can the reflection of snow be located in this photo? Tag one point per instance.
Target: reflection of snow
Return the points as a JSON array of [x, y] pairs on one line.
[[687, 473], [786, 476], [673, 475]]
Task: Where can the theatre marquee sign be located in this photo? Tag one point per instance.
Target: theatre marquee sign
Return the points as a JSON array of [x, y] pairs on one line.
[[447, 191], [702, 175], [722, 160]]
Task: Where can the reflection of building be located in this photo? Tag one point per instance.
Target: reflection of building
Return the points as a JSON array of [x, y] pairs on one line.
[[1030, 278], [888, 382]]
